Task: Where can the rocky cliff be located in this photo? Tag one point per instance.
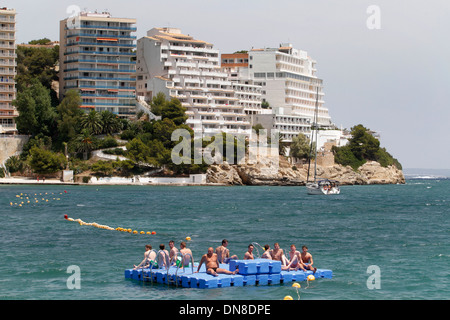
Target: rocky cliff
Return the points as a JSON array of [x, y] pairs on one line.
[[266, 172]]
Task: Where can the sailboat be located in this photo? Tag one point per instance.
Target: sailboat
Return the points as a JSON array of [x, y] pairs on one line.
[[323, 186]]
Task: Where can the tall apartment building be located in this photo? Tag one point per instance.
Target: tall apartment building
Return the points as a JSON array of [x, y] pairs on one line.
[[97, 58], [8, 56], [248, 93], [289, 80], [189, 69]]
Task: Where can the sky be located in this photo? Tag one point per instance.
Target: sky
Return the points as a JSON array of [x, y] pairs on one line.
[[387, 69]]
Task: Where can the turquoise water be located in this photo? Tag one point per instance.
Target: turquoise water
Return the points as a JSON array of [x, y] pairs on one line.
[[402, 229]]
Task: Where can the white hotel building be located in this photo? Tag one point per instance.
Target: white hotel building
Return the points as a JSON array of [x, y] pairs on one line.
[[289, 80], [188, 69], [8, 113]]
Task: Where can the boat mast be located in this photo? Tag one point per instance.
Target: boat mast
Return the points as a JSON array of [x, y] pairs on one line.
[[314, 132], [316, 120]]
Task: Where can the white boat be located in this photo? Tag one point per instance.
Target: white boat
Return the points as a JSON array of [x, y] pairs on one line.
[[324, 186]]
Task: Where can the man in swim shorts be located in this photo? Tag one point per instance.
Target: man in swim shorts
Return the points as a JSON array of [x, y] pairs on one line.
[[295, 262], [307, 259], [223, 253], [149, 255], [212, 264]]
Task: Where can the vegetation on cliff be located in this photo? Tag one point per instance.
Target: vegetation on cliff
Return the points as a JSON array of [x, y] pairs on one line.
[[363, 147]]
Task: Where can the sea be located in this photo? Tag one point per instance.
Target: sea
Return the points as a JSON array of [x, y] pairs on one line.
[[382, 242]]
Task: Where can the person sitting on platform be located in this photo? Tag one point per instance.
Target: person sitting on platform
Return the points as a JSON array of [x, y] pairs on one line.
[[187, 253], [249, 254], [224, 254], [173, 252], [266, 254], [149, 255], [307, 259], [295, 262], [163, 257], [278, 254], [212, 264]]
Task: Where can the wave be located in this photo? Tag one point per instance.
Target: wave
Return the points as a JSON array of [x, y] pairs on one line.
[[425, 177]]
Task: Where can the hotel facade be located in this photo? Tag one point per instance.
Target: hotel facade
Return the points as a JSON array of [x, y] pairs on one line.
[[189, 69], [98, 59], [288, 82], [8, 57]]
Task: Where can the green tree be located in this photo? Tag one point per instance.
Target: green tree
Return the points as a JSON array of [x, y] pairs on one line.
[[91, 121], [362, 144], [84, 143], [175, 111], [103, 168], [157, 104], [26, 122], [110, 122], [14, 164], [300, 147], [138, 151], [69, 114], [258, 127], [44, 161], [36, 114], [36, 63]]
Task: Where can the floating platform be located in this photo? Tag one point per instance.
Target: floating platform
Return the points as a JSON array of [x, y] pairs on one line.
[[260, 272]]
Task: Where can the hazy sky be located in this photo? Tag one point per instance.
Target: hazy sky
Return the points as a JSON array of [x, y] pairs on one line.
[[394, 80]]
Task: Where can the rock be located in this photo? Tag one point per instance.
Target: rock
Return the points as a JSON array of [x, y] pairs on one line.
[[266, 172]]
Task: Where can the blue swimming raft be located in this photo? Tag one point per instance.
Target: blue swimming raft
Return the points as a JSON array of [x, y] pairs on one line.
[[251, 272]]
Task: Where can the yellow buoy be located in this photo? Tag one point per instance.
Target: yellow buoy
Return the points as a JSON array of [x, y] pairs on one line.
[[296, 285], [311, 278], [288, 298], [188, 239]]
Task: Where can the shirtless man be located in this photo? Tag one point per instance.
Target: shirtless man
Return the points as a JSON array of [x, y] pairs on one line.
[[307, 259], [296, 260], [223, 253], [212, 264], [173, 252], [187, 254], [163, 258], [149, 255], [249, 254], [266, 254], [278, 254]]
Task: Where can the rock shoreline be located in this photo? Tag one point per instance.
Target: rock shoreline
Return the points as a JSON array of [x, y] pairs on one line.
[[267, 173]]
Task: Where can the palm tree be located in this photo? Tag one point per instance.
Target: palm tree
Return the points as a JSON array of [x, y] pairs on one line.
[[84, 143], [110, 122], [92, 121]]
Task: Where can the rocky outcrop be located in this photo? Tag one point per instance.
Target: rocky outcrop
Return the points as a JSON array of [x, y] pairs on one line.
[[266, 172]]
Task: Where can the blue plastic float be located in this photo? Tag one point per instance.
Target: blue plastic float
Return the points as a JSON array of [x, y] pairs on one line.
[[260, 272]]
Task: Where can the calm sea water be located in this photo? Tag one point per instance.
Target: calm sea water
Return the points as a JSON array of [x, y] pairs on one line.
[[402, 229]]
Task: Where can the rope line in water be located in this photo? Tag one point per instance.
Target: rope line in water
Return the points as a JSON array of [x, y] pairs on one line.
[[105, 227]]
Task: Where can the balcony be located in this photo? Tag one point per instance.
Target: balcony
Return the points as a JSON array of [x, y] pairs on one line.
[[133, 54], [133, 29], [97, 35], [101, 44]]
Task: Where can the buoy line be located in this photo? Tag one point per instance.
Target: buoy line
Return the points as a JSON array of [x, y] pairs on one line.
[[105, 227]]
